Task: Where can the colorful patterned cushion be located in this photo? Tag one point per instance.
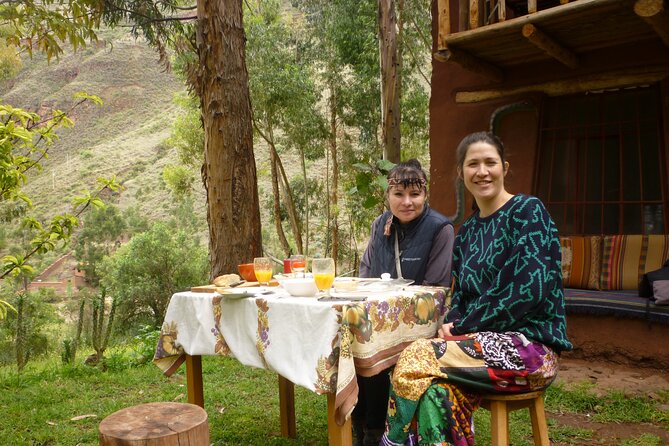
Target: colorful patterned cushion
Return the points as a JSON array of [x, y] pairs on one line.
[[581, 261], [626, 258]]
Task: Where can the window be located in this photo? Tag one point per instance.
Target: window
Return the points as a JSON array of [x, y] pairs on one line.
[[601, 163]]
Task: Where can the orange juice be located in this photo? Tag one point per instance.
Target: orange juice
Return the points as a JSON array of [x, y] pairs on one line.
[[263, 276], [323, 281]]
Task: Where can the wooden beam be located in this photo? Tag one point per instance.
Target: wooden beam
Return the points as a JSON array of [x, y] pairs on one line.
[[547, 14], [501, 10], [618, 79], [474, 13], [470, 63], [531, 6], [444, 11], [653, 12], [539, 39], [463, 15]]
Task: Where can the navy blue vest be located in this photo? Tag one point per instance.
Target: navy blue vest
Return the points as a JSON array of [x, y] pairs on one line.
[[415, 244]]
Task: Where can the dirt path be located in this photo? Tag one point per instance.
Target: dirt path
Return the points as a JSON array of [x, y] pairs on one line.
[[652, 383]]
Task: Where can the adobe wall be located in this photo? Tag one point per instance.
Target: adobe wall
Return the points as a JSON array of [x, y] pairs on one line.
[[625, 341]]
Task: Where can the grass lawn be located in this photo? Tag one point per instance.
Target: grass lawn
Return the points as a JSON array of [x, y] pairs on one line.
[[51, 404]]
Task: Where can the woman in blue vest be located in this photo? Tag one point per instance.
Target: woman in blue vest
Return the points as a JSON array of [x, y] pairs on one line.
[[411, 241], [506, 326]]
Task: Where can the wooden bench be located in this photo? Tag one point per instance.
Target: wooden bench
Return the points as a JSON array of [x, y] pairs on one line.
[[156, 424], [500, 405]]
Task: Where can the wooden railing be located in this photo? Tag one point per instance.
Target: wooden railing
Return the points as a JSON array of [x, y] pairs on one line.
[[473, 14]]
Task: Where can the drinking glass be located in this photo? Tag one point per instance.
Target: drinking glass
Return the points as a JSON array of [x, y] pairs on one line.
[[262, 266], [324, 273], [298, 265]]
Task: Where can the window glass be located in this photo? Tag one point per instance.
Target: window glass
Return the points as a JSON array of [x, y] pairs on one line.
[[600, 162], [649, 150], [560, 171], [593, 171], [592, 219], [611, 171], [632, 219], [611, 216], [653, 219]]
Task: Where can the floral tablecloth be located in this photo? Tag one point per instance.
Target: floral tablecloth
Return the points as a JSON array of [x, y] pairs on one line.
[[315, 344]]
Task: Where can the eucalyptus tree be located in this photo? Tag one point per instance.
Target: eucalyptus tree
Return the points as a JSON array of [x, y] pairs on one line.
[[343, 43], [346, 40], [285, 107]]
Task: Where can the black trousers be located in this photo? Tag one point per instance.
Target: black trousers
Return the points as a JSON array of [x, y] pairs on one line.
[[372, 400]]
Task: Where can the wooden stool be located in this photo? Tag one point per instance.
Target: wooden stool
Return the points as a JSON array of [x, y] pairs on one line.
[[156, 424], [500, 405]]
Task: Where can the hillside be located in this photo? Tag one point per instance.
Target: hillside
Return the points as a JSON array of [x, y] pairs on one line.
[[123, 137]]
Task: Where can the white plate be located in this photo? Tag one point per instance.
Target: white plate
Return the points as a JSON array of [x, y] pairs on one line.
[[383, 285], [236, 295]]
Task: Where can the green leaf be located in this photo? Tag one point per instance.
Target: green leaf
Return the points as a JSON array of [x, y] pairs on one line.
[[370, 202], [363, 166], [385, 165], [381, 181]]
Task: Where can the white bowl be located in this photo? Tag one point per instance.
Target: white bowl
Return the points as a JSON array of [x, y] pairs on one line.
[[305, 287]]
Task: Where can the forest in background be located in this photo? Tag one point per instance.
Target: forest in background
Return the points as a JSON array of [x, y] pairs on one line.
[[314, 78]]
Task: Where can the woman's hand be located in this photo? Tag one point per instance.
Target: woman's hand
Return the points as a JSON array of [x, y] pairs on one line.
[[445, 330]]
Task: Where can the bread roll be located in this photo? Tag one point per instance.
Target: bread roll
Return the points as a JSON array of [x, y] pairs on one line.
[[226, 280]]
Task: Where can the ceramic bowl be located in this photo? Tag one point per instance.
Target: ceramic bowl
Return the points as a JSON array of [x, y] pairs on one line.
[[246, 271], [303, 287]]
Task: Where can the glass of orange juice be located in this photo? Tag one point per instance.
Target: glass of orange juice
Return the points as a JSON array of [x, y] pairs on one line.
[[262, 266], [324, 273]]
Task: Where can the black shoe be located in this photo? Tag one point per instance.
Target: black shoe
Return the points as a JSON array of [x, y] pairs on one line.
[[358, 432], [373, 437]]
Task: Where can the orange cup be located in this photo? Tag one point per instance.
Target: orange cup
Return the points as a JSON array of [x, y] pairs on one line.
[[246, 271]]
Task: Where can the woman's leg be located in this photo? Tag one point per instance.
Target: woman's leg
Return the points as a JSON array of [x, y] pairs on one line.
[[481, 362]]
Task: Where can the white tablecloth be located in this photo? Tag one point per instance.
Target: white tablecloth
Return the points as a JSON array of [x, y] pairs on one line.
[[318, 345]]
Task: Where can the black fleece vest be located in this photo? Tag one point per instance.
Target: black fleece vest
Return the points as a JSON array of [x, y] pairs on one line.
[[415, 243]]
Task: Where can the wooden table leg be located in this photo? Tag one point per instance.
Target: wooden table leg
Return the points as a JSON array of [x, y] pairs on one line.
[[287, 407], [194, 380], [337, 435]]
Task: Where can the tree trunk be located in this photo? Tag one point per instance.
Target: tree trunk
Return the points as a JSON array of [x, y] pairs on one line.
[[277, 202], [20, 332], [390, 102], [334, 208], [295, 223], [229, 170], [279, 177], [306, 203]]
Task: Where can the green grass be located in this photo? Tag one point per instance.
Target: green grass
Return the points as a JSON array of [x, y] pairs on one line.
[[38, 406], [615, 407], [643, 440]]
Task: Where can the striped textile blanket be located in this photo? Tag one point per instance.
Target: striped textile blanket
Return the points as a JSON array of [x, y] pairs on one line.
[[622, 303]]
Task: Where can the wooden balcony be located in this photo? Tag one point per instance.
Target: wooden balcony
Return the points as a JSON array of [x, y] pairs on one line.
[[489, 36]]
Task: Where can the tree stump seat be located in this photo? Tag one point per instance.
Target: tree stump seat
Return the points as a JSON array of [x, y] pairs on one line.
[[500, 405], [156, 424]]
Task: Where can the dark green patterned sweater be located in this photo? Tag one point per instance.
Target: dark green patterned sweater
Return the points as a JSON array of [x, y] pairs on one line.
[[508, 276]]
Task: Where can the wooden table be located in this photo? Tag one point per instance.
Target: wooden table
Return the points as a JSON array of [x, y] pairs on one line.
[[369, 336]]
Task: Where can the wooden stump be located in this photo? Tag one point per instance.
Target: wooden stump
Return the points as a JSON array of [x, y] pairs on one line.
[[156, 424]]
